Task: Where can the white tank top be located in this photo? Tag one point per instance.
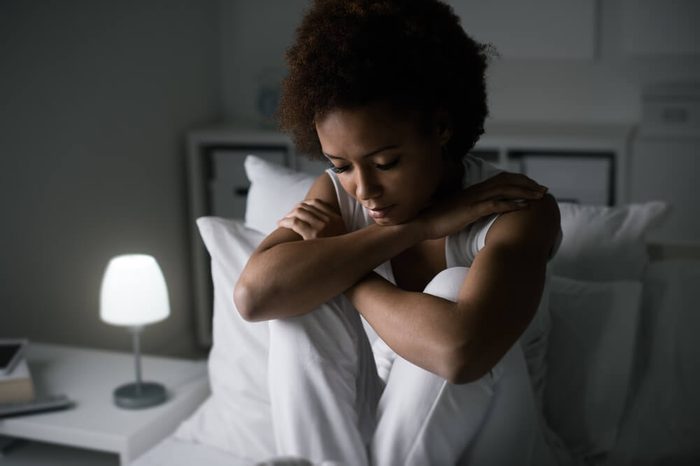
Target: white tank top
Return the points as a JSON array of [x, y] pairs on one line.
[[461, 249]]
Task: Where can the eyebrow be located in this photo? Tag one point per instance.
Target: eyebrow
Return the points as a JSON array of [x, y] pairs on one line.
[[381, 149]]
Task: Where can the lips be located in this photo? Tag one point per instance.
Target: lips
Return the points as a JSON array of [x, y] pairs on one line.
[[377, 213]]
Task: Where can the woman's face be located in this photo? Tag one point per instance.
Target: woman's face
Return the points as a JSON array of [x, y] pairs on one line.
[[384, 159]]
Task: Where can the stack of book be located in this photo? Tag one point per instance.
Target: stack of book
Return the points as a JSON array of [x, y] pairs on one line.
[[16, 385], [18, 395]]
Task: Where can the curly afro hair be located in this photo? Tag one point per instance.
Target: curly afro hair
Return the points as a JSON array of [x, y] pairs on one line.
[[412, 54]]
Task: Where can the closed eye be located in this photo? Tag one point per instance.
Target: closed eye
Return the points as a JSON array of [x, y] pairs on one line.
[[387, 166], [338, 169]]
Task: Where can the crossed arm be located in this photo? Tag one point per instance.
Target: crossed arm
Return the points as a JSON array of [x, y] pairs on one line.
[[462, 340], [311, 258]]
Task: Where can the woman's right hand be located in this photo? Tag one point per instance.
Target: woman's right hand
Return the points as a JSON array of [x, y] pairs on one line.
[[313, 218], [501, 193]]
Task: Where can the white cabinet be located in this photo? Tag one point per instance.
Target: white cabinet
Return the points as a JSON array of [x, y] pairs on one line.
[[579, 162], [665, 160], [89, 377], [582, 178], [227, 186], [668, 169]]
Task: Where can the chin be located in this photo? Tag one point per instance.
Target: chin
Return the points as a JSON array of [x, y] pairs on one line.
[[384, 222], [397, 216], [388, 221]]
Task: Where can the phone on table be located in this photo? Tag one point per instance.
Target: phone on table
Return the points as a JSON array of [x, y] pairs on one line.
[[11, 352]]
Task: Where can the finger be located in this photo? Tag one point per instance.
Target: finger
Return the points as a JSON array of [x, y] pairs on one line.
[[314, 211], [321, 205], [297, 225], [307, 214], [494, 206], [302, 208]]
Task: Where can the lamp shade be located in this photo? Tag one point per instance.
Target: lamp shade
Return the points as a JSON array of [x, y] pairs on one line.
[[133, 291]]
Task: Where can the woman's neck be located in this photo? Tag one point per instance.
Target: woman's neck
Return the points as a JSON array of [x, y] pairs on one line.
[[453, 175]]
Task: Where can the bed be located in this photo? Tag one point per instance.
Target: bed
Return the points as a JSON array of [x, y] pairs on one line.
[[622, 367]]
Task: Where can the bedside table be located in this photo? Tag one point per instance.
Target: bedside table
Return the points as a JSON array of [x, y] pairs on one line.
[[89, 377]]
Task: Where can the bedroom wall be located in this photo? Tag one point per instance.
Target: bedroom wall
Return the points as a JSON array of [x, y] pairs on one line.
[[254, 37], [606, 88], [95, 97]]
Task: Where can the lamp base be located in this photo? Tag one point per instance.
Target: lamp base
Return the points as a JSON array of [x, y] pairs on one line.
[[137, 396]]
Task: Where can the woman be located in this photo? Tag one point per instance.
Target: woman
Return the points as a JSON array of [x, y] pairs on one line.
[[392, 94]]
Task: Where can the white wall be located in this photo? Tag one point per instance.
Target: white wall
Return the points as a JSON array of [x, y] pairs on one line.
[[254, 38], [95, 97], [606, 88]]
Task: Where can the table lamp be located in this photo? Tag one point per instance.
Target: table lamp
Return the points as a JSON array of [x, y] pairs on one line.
[[134, 294]]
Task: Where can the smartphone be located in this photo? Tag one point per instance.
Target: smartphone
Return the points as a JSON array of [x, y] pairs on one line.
[[11, 352]]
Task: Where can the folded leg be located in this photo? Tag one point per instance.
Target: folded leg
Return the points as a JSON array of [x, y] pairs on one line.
[[423, 420], [323, 385], [512, 432]]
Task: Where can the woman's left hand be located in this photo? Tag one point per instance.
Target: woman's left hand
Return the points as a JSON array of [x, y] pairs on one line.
[[499, 194], [313, 218]]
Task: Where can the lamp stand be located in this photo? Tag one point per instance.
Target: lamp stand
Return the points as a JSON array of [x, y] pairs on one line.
[[139, 394]]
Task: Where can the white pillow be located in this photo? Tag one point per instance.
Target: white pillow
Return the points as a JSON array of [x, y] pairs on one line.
[[274, 190], [589, 360], [605, 243], [236, 418]]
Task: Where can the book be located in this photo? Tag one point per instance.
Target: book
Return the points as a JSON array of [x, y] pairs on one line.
[[17, 386], [11, 352]]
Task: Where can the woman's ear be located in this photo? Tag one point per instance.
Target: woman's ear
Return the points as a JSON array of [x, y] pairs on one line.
[[443, 125]]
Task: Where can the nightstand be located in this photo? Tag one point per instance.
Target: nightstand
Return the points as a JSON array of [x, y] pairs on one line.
[[89, 377]]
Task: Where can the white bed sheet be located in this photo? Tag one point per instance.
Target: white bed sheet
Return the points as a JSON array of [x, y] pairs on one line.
[[174, 452]]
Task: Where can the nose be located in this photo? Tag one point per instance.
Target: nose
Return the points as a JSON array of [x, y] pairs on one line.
[[366, 185]]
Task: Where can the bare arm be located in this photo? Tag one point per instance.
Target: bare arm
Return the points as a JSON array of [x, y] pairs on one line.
[[461, 341], [287, 275], [301, 265]]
